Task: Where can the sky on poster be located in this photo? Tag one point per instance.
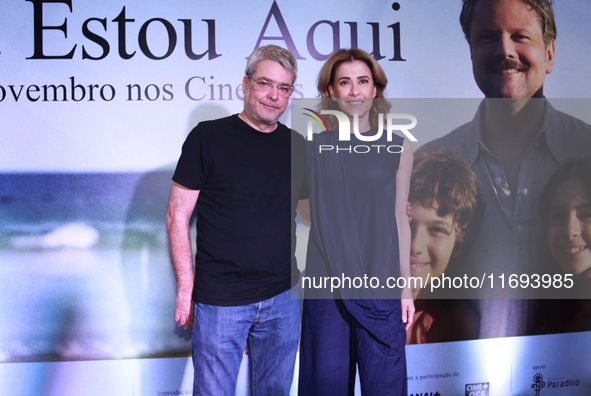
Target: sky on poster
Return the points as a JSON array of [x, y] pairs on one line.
[[117, 134]]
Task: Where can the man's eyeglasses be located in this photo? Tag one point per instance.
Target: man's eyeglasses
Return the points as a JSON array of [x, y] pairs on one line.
[[264, 86]]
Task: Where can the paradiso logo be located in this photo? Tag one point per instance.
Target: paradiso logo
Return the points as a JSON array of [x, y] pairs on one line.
[[345, 131], [538, 384], [552, 383]]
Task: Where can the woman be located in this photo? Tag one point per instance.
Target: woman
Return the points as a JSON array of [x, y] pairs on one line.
[[565, 207], [359, 229]]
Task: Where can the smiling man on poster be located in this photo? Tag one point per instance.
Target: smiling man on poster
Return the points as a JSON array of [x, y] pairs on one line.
[[237, 171], [513, 144]]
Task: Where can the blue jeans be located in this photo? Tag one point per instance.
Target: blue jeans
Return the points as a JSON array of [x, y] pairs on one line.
[[270, 329]]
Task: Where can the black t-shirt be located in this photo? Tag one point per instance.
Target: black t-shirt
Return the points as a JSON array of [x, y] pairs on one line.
[[245, 249]]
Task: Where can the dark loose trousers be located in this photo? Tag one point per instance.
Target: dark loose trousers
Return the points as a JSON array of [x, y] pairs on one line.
[[333, 342]]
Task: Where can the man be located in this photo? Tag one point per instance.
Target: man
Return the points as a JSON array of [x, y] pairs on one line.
[[513, 145], [237, 171]]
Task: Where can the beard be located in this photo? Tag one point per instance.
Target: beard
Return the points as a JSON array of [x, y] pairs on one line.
[[253, 110]]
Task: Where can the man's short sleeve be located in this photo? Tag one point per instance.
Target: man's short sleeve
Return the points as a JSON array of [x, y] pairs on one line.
[[193, 165]]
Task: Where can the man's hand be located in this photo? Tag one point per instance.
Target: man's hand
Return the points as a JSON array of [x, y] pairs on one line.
[[184, 311]]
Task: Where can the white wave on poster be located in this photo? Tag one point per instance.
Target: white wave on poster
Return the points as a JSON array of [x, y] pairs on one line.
[[71, 235]]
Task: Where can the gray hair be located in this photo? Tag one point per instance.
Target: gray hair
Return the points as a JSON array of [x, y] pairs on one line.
[[274, 53]]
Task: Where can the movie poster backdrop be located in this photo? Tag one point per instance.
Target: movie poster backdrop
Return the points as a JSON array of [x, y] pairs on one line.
[[96, 100]]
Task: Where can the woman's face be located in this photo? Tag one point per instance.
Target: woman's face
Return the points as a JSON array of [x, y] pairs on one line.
[[569, 227], [354, 89]]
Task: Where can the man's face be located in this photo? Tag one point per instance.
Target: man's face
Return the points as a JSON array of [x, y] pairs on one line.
[[263, 109], [509, 56]]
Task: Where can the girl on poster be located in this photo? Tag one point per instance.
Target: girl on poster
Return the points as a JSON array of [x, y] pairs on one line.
[[565, 207]]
